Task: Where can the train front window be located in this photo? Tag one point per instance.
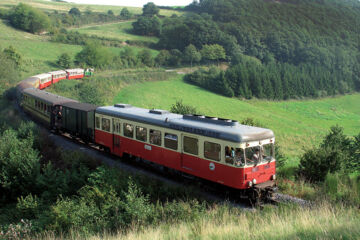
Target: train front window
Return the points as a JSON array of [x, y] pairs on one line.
[[253, 155], [234, 156], [267, 152]]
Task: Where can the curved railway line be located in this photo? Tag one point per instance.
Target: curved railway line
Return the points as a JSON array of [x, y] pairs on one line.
[[213, 191]]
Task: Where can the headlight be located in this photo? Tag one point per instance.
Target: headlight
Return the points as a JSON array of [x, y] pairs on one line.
[[273, 177], [254, 181], [250, 183]]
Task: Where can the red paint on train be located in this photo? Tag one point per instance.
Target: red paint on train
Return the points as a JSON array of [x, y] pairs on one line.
[[224, 174]]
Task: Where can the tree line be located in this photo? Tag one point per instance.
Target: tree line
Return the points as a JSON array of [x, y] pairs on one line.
[[319, 56], [32, 20]]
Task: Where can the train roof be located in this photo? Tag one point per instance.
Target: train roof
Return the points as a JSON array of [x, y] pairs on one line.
[[42, 75], [225, 129], [80, 106], [47, 97], [57, 72]]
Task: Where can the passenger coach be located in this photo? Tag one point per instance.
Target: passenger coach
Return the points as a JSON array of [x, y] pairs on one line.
[[219, 150]]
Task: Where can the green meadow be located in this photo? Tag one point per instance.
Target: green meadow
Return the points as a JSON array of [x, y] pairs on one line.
[[297, 124], [120, 31], [65, 7]]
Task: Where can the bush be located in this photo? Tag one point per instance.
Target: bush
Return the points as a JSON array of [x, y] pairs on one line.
[[334, 154], [64, 60], [29, 19], [180, 108]]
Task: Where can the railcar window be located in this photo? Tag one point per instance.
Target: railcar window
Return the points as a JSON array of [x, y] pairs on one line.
[[212, 151], [253, 155], [191, 145], [171, 141], [97, 122], [141, 134], [128, 130], [105, 124], [41, 106], [267, 152], [116, 126], [155, 137]]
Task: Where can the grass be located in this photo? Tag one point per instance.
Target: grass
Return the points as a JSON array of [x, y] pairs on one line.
[[297, 124], [286, 222], [120, 31], [65, 7]]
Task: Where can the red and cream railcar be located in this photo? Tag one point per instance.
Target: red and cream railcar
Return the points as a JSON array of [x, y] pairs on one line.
[[219, 150], [45, 80], [58, 75], [75, 73]]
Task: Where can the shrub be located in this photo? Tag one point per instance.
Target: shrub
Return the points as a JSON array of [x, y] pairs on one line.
[[64, 60], [29, 19], [181, 108]]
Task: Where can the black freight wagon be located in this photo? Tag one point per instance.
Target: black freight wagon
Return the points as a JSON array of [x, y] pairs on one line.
[[78, 119]]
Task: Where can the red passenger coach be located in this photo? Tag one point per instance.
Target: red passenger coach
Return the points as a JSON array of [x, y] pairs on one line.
[[44, 80], [75, 73], [58, 75], [219, 150]]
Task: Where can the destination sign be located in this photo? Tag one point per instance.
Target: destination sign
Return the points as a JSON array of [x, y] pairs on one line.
[[195, 130]]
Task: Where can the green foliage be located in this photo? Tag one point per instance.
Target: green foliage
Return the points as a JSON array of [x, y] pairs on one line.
[[93, 55], [333, 155], [181, 108], [146, 57], [9, 74], [191, 54], [28, 207], [150, 9], [163, 58], [125, 14], [19, 165], [75, 11], [175, 57], [110, 12], [12, 54], [29, 19], [89, 93], [148, 26], [64, 60], [212, 52]]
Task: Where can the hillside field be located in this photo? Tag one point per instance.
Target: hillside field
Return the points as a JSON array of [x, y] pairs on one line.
[[297, 124]]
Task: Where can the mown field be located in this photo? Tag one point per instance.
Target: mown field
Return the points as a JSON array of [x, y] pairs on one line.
[[297, 124], [64, 6], [121, 31]]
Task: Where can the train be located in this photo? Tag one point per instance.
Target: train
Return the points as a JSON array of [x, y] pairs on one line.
[[222, 151]]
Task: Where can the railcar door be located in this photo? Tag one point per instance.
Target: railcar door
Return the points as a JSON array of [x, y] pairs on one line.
[[190, 153], [116, 136]]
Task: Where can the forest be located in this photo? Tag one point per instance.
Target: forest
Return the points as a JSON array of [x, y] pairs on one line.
[[297, 48]]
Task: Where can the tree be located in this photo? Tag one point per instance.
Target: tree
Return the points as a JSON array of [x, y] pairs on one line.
[[175, 57], [146, 57], [29, 19], [94, 55], [163, 58], [191, 54], [150, 9], [149, 26], [180, 108], [64, 60], [125, 13], [12, 54], [75, 11], [110, 13], [9, 74], [213, 52]]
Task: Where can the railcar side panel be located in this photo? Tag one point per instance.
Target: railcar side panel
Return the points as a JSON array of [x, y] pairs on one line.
[[104, 139]]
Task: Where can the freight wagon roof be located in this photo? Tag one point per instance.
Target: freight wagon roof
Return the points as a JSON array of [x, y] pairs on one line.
[[86, 107], [222, 129], [47, 97]]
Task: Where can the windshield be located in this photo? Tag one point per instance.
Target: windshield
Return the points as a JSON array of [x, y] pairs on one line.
[[267, 152], [253, 156], [259, 154]]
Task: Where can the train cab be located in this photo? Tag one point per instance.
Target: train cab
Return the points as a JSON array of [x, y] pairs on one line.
[[215, 149]]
